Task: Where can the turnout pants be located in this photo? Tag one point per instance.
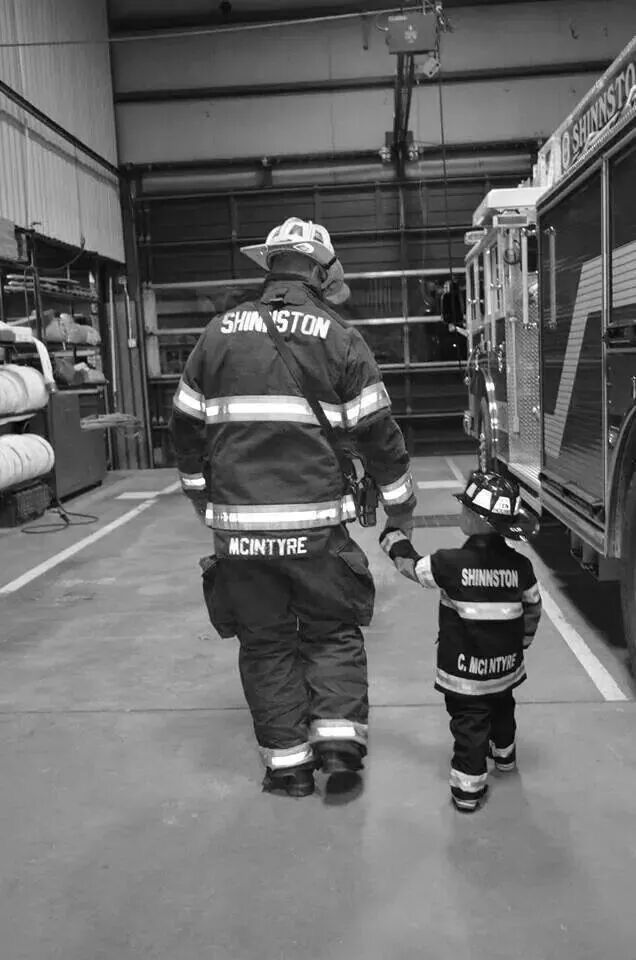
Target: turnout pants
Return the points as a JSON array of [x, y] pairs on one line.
[[302, 660], [475, 723]]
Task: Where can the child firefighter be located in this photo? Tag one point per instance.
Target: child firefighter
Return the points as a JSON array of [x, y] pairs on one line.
[[489, 610]]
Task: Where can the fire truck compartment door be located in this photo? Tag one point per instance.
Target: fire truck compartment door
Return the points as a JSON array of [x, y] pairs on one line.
[[570, 236], [524, 395]]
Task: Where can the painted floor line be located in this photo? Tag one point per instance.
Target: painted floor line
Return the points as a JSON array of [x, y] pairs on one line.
[[63, 555], [171, 488], [138, 495], [598, 674], [455, 470], [439, 484]]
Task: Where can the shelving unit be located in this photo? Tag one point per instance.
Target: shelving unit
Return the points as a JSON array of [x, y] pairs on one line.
[[34, 292]]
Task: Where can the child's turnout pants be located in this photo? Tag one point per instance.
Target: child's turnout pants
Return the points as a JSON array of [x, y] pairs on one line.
[[479, 725]]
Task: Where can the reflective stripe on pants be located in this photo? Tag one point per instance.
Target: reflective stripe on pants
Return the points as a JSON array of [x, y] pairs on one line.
[[325, 729], [286, 758]]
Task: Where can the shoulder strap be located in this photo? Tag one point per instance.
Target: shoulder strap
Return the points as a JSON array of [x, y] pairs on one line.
[[305, 391]]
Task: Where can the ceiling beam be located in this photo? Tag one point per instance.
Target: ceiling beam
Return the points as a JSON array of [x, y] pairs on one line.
[[127, 27], [582, 67], [477, 150]]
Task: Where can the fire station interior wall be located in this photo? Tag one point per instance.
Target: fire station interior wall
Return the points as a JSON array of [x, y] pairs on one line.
[[521, 36], [46, 182]]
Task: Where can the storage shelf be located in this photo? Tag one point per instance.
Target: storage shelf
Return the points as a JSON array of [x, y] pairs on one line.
[[69, 296], [75, 350], [18, 417], [91, 390]]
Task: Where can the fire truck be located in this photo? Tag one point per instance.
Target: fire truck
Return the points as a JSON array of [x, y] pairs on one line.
[[551, 327]]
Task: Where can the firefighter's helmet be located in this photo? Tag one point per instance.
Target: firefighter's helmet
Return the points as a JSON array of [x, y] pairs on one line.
[[496, 500], [296, 236]]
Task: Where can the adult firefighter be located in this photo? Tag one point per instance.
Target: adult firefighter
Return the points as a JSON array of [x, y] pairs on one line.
[[287, 578]]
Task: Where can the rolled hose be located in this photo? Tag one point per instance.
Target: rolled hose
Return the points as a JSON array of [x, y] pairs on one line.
[[24, 458], [22, 389]]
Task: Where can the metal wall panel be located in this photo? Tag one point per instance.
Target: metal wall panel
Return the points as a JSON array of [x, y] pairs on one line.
[[513, 35], [496, 111], [341, 122], [13, 160], [269, 126], [72, 84], [46, 182], [12, 145]]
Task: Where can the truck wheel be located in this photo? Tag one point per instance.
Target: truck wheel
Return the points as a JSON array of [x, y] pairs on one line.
[[485, 456], [628, 574]]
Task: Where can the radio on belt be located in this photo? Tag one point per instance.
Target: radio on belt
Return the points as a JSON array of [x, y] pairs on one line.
[[412, 33]]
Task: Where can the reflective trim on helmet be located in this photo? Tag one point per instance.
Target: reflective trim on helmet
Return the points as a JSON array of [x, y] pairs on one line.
[[475, 687], [338, 729], [481, 610], [281, 758], [399, 491], [279, 516], [257, 409], [301, 236], [370, 400], [189, 401], [193, 481], [483, 499]]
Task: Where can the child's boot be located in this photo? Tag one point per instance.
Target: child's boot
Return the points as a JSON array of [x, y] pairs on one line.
[[467, 790], [505, 757]]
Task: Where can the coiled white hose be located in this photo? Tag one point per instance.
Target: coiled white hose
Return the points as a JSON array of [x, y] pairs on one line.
[[24, 457], [22, 390]]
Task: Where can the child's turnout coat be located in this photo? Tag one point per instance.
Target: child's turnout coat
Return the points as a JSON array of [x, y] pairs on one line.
[[490, 607]]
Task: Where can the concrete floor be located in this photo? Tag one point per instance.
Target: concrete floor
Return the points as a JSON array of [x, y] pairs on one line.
[[131, 819]]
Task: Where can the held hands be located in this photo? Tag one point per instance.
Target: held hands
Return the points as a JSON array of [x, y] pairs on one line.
[[395, 542]]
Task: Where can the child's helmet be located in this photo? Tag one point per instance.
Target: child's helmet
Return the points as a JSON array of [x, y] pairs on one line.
[[496, 500]]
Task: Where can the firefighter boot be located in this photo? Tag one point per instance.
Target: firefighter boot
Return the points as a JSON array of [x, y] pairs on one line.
[[297, 782], [467, 804], [341, 762], [505, 758]]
